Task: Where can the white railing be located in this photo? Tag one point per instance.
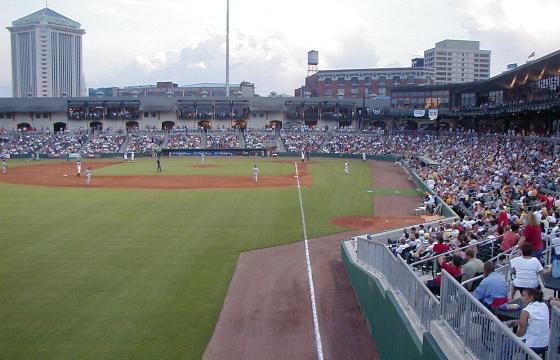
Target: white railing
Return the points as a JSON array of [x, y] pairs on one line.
[[400, 277], [422, 301], [554, 342], [483, 335]]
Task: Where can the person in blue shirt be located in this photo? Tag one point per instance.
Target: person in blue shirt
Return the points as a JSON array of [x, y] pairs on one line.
[[493, 289]]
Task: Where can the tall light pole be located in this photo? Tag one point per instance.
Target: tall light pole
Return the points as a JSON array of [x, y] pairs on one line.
[[227, 49]]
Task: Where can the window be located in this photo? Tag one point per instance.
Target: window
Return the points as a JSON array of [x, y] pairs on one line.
[[340, 81], [328, 81], [45, 116], [328, 92], [381, 80], [146, 114], [354, 81], [154, 114], [8, 116], [340, 92], [1, 115], [368, 80]]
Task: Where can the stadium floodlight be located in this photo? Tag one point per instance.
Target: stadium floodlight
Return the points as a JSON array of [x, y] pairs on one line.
[[227, 48]]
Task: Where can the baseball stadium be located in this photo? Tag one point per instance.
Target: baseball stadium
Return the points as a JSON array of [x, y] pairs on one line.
[[284, 228]]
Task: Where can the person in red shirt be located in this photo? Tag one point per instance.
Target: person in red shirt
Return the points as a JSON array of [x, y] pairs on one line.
[[510, 238], [503, 219], [532, 235], [441, 247], [453, 268]]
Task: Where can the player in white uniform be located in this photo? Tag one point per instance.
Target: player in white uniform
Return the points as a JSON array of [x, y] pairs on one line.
[[78, 168], [88, 175], [255, 174], [4, 167], [345, 167]]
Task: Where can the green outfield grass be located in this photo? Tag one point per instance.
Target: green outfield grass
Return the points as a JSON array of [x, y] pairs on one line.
[[142, 274], [215, 166]]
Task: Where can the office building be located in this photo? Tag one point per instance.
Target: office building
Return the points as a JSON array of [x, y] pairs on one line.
[[46, 56], [458, 61]]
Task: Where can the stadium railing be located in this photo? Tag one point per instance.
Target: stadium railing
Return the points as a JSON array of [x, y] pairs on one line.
[[400, 277], [482, 333], [553, 352], [382, 237]]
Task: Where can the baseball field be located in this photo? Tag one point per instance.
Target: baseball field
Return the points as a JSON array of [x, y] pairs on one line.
[[137, 264]]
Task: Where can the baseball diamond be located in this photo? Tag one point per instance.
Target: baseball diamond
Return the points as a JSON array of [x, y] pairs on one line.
[[397, 212]]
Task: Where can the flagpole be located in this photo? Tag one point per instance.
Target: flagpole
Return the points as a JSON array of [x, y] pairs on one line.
[[227, 49]]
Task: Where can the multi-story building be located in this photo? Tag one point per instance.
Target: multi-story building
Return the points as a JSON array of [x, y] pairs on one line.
[[358, 83], [458, 61], [169, 88], [46, 55]]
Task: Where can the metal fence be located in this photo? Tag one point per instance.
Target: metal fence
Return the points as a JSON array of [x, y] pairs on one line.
[[424, 304], [400, 277], [483, 335], [553, 352]]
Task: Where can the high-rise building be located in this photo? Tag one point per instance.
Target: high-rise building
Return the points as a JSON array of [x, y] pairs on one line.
[[458, 61], [46, 55]]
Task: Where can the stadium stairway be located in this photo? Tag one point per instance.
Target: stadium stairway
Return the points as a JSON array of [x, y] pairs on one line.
[[242, 142], [124, 145], [164, 142], [203, 142], [280, 143], [326, 141], [43, 147], [90, 137]]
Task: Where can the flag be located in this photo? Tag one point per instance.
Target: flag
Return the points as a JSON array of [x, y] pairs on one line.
[[532, 55]]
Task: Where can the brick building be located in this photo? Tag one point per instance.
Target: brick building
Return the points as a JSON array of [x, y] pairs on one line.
[[357, 83]]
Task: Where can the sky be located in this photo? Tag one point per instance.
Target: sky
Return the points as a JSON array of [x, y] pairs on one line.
[[133, 42]]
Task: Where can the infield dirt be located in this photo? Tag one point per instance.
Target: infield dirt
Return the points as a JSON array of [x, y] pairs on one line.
[[64, 175]]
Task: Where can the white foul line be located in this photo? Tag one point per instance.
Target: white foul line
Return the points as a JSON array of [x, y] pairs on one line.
[[310, 274]]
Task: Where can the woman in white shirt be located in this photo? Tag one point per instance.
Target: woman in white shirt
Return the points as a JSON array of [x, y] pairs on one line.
[[526, 269], [533, 325]]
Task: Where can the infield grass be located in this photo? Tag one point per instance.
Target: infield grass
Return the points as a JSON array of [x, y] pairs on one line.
[[142, 274]]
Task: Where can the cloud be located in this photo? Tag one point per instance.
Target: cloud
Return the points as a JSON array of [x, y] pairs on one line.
[[263, 61], [512, 29], [267, 60]]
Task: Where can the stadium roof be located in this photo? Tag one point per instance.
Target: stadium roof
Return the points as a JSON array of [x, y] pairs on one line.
[[48, 16], [22, 105], [548, 65]]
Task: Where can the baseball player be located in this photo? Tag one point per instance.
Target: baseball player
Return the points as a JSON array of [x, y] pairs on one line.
[[255, 173], [78, 168], [88, 175], [158, 162], [345, 167], [4, 167]]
